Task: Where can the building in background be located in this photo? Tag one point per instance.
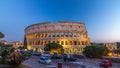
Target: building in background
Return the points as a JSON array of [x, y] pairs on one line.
[[3, 42], [72, 36], [111, 46], [17, 44]]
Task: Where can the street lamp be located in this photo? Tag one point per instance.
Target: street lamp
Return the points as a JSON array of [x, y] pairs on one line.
[[110, 54]]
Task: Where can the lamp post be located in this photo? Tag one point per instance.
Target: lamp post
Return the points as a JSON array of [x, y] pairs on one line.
[[110, 54]]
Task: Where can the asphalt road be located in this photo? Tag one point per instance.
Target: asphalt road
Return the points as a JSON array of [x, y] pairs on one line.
[[33, 63], [88, 63], [96, 63]]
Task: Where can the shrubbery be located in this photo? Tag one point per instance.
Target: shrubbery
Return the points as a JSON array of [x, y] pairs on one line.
[[95, 51], [54, 48], [11, 56]]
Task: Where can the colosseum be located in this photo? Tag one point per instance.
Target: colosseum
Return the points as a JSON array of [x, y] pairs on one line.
[[71, 35]]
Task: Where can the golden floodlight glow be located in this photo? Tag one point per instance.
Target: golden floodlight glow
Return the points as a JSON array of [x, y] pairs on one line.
[[110, 54], [64, 41], [29, 47]]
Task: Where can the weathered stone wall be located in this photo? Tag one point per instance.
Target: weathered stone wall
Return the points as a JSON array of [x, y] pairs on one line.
[[69, 34]]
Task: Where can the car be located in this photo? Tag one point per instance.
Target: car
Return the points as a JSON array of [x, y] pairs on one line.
[[36, 54], [45, 60], [43, 54], [68, 57], [80, 56], [56, 56], [105, 63], [71, 59], [46, 55]]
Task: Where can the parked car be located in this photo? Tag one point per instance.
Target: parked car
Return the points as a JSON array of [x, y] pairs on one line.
[[105, 63], [45, 60], [56, 56], [68, 57], [43, 54], [71, 59], [36, 54], [80, 56]]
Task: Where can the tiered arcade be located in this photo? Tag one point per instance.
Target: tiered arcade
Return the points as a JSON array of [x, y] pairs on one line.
[[71, 35]]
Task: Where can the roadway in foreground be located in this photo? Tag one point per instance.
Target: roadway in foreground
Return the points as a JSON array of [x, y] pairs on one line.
[[33, 63]]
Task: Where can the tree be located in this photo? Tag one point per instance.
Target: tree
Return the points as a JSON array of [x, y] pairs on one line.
[[25, 43], [54, 48], [117, 51], [11, 56], [118, 45], [1, 35], [95, 51], [5, 52]]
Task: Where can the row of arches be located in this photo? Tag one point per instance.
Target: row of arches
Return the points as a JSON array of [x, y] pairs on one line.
[[47, 35], [43, 42]]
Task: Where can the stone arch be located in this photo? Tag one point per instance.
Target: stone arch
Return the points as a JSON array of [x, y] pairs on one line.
[[82, 42], [71, 34], [57, 34], [78, 42], [74, 34], [66, 42], [66, 34], [71, 43], [75, 42], [62, 42], [62, 34], [58, 42]]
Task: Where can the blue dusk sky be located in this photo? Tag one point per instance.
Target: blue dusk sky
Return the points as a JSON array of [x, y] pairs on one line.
[[101, 17]]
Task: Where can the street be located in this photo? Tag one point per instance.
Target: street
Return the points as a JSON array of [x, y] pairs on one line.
[[33, 63], [88, 63]]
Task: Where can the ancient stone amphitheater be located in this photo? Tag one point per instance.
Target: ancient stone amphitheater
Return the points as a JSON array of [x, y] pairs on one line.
[[71, 35]]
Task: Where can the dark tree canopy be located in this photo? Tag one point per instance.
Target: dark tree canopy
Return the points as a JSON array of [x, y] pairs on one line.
[[1, 35], [54, 47], [25, 43], [118, 45], [95, 51], [117, 51]]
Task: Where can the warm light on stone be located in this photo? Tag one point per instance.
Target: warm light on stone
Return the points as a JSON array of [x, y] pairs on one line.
[[71, 35]]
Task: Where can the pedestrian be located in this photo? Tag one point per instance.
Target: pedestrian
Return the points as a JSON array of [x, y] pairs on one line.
[[64, 58], [68, 56]]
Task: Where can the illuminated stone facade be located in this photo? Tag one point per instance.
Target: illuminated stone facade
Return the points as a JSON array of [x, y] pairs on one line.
[[111, 46], [71, 35]]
